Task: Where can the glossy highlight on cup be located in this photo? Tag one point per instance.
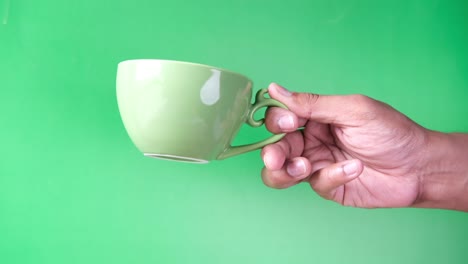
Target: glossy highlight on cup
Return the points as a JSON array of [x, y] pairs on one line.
[[187, 112]]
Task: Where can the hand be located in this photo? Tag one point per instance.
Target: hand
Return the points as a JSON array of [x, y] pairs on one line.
[[353, 150]]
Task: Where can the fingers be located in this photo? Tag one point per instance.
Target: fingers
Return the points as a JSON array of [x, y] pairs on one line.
[[339, 110], [275, 155], [281, 157], [279, 120], [326, 180], [293, 172]]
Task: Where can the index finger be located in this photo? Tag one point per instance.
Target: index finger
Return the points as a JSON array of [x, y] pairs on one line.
[[275, 155]]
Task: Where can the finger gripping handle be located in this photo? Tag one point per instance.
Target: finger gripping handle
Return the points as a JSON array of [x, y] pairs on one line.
[[260, 101]]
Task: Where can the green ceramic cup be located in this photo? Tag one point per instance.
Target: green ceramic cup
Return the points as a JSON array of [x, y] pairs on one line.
[[185, 111]]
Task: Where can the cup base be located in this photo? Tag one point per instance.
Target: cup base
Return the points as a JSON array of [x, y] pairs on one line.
[[175, 158]]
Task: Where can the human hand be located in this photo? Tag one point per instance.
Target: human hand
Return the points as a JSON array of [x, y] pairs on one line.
[[353, 150]]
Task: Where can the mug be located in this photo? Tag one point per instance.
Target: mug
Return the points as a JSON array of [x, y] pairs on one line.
[[186, 111]]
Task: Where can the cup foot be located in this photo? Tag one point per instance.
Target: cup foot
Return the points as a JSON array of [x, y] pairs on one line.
[[175, 158]]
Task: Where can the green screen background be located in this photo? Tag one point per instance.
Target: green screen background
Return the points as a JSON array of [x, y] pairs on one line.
[[73, 188]]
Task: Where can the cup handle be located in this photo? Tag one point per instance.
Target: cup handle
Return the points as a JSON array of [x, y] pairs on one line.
[[260, 101]]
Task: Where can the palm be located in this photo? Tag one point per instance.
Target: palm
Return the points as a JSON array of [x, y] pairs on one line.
[[386, 180], [353, 149]]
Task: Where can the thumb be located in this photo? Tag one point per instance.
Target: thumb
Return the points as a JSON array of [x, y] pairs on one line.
[[349, 110], [325, 181]]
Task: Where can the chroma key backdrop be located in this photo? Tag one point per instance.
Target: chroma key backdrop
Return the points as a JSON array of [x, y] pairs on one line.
[[74, 189]]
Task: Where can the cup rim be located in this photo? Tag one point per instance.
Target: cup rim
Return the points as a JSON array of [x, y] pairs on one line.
[[188, 63]]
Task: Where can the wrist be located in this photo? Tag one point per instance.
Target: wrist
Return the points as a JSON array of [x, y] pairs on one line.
[[444, 178]]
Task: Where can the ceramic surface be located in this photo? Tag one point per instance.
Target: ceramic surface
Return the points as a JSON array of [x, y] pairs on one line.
[[186, 111]]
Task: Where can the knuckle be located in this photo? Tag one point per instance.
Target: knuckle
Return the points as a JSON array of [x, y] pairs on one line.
[[365, 107], [362, 100], [271, 180], [320, 191], [326, 181], [331, 179], [306, 99]]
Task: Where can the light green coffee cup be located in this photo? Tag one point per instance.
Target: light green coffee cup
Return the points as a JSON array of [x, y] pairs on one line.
[[185, 111]]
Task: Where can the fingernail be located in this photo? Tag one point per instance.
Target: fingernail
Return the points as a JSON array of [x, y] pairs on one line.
[[282, 90], [286, 122], [296, 168], [351, 169]]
